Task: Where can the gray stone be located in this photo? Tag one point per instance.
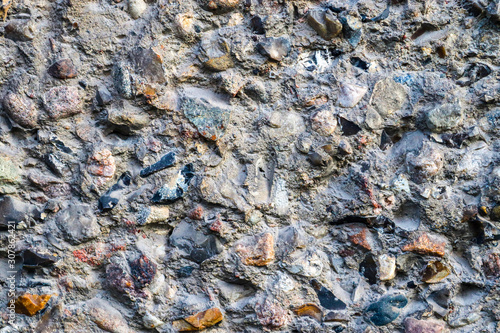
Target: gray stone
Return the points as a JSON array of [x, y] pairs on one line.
[[445, 117]]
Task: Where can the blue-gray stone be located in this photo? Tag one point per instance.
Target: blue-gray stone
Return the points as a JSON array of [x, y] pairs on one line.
[[165, 162], [326, 298], [274, 48], [386, 309], [208, 113]]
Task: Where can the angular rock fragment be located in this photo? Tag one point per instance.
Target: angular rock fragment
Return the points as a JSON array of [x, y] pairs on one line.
[[21, 110], [351, 94], [111, 198], [275, 48], [126, 117], [426, 245], [207, 111], [306, 263], [386, 309], [387, 267], [30, 305], [166, 161], [63, 69], [215, 55], [426, 164], [352, 29], [103, 96], [193, 243], [259, 254], [324, 22], [173, 192], [148, 64], [199, 321], [360, 239], [368, 268], [326, 298], [14, 210], [62, 101], [119, 280], [310, 310], [435, 271], [491, 265], [348, 127]]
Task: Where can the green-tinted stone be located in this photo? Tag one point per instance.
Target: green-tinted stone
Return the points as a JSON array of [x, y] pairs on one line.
[[9, 172]]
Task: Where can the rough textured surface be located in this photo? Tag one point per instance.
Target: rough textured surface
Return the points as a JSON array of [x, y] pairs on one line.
[[250, 165]]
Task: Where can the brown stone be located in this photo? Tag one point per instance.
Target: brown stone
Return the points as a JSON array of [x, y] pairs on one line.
[[413, 325], [360, 239], [62, 101], [199, 321], [21, 110], [435, 272], [260, 254], [196, 213], [491, 266], [425, 245], [63, 69], [310, 310], [29, 304]]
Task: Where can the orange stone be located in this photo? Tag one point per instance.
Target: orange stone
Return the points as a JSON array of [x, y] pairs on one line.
[[425, 245], [260, 254], [360, 239], [310, 310], [199, 321], [29, 305]]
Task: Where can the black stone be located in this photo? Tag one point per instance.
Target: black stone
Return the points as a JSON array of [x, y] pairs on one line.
[[360, 63], [368, 268], [257, 25], [14, 210], [103, 96], [111, 198], [165, 162], [185, 271], [348, 127], [326, 298], [32, 259], [385, 140]]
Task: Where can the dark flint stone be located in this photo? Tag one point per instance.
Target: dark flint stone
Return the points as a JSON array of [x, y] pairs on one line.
[[15, 210], [326, 298], [165, 162], [103, 96], [185, 271], [257, 25], [348, 127], [168, 194], [32, 259], [111, 198], [368, 268]]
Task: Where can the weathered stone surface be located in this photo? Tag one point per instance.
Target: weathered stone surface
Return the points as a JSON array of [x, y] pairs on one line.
[[21, 109], [413, 325], [207, 111], [445, 117], [219, 6], [387, 267], [62, 101], [77, 222], [271, 314], [324, 122], [435, 271], [388, 96], [215, 54], [174, 191], [127, 117]]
